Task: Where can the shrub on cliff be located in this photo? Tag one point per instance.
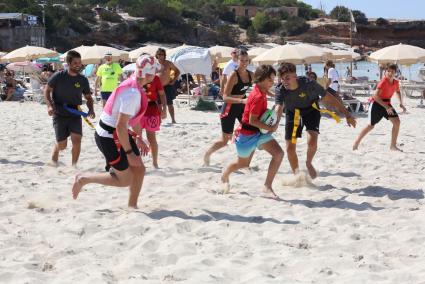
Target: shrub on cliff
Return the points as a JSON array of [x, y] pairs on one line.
[[265, 24], [109, 16], [340, 13], [382, 22], [296, 26]]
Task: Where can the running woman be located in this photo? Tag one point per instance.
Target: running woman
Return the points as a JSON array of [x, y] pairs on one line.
[[300, 98], [249, 137], [68, 87], [380, 107], [151, 120], [234, 103], [124, 109]]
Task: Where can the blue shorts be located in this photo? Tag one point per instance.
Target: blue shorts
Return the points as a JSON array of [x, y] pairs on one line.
[[105, 95], [246, 144]]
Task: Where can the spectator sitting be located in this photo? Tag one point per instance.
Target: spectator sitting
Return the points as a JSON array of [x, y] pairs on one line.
[[184, 79], [14, 89]]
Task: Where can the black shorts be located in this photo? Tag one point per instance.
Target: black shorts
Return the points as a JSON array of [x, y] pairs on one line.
[[105, 95], [115, 159], [228, 122], [65, 125], [170, 94], [309, 118], [377, 112]]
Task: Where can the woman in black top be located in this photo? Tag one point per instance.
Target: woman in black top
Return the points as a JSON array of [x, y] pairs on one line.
[[234, 103]]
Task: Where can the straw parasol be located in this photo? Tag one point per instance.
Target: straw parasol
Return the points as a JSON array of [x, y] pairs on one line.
[[28, 53], [221, 53], [401, 53], [149, 49], [294, 53], [96, 53], [256, 51], [341, 55]]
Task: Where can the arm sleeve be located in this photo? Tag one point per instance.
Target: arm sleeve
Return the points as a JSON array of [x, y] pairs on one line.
[[53, 80], [256, 107], [86, 87], [278, 99], [228, 69], [129, 102], [118, 69], [99, 71], [317, 90], [380, 84]]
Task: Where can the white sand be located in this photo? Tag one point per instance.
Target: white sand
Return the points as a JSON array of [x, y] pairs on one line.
[[362, 222]]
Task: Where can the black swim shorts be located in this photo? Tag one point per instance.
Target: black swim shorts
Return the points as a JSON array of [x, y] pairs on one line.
[[114, 158], [309, 118]]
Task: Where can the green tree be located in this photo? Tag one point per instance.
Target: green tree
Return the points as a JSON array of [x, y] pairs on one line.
[[251, 34], [264, 24], [360, 17], [243, 22], [340, 13]]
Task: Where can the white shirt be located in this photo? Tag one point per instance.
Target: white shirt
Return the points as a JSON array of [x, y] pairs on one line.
[[334, 76], [230, 67], [128, 102]]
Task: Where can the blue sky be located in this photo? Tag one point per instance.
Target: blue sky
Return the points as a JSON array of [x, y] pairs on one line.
[[393, 9]]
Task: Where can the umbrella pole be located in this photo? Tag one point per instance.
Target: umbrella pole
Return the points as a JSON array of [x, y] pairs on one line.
[[188, 91]]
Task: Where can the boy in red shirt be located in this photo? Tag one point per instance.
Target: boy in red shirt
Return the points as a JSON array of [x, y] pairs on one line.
[[249, 137], [151, 120], [380, 107]]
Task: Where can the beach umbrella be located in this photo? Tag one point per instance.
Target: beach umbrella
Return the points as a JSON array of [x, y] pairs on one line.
[[340, 55], [221, 53], [27, 53], [171, 51], [401, 54], [149, 49], [294, 53], [56, 59], [24, 67], [194, 60], [256, 51], [129, 68], [96, 53]]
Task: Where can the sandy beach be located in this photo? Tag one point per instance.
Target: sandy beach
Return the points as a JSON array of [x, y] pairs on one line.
[[362, 221]]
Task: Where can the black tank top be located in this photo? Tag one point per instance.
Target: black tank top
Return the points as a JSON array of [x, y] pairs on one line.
[[240, 88]]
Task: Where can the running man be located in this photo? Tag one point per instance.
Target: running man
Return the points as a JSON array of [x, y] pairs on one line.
[[380, 107], [67, 87], [300, 98], [151, 120], [234, 103], [165, 75], [249, 136], [124, 108], [108, 75]]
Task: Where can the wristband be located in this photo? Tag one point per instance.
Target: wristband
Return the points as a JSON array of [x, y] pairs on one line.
[[128, 152]]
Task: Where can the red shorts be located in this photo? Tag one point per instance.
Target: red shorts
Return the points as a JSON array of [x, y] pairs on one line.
[[151, 120]]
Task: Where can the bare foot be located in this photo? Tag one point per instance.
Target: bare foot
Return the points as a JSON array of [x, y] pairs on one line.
[[311, 171], [226, 185], [77, 186], [268, 192], [226, 188], [173, 122], [355, 146], [206, 160], [155, 165], [395, 148], [52, 163]]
